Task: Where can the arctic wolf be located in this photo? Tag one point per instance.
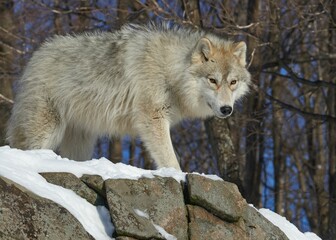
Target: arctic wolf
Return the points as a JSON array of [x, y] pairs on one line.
[[139, 80]]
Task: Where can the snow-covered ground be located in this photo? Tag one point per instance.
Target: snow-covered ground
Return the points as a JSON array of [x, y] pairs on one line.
[[23, 167]]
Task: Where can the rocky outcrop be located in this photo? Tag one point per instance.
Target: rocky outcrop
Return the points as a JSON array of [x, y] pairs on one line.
[[24, 215], [147, 208]]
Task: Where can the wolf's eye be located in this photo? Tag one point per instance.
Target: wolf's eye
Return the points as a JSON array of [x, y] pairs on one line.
[[212, 80], [233, 82]]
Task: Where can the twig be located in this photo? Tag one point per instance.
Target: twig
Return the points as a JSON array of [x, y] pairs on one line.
[[251, 60], [12, 48], [6, 99], [247, 26]]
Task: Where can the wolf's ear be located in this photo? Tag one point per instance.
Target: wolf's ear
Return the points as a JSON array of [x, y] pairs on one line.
[[239, 50], [202, 51]]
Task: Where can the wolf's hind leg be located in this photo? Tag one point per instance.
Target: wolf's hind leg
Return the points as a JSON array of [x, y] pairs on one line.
[[77, 144], [35, 128]]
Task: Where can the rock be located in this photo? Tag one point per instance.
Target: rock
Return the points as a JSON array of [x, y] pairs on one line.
[[127, 222], [95, 182], [125, 238], [221, 198], [140, 209], [155, 200], [70, 181], [24, 215], [204, 225], [259, 228]]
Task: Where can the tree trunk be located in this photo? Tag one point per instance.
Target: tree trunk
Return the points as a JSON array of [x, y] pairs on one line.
[[84, 18], [192, 11], [253, 106], [57, 18], [7, 24], [278, 160], [6, 63], [5, 110], [227, 162], [332, 162], [320, 161], [115, 150], [332, 129]]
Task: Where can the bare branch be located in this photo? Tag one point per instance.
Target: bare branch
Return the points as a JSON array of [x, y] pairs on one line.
[[316, 116], [2, 97], [12, 48]]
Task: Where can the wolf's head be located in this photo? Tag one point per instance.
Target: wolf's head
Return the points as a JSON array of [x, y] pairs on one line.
[[219, 66]]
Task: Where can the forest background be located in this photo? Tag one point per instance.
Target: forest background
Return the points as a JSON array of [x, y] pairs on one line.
[[279, 146]]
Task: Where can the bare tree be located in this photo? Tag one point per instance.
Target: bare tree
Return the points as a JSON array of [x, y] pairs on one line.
[[331, 106], [192, 11], [254, 106], [6, 47], [6, 63]]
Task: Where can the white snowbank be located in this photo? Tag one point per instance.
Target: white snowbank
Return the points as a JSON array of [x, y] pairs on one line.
[[289, 229], [23, 167]]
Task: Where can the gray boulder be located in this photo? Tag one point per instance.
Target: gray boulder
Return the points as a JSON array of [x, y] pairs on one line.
[[156, 200], [95, 182], [70, 181], [259, 228], [221, 198], [204, 225], [24, 215]]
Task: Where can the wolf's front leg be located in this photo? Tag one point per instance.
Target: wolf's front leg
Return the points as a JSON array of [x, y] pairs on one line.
[[155, 133]]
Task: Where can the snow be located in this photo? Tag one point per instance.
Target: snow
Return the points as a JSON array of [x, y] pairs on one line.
[[157, 227], [212, 177], [141, 213], [164, 233], [23, 167], [289, 229], [311, 236]]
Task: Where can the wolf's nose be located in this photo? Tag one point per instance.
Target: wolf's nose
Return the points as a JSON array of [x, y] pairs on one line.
[[226, 110]]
